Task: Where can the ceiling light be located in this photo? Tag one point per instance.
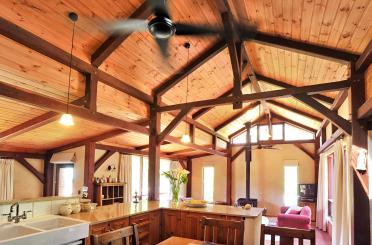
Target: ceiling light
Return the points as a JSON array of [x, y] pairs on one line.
[[185, 138], [66, 120]]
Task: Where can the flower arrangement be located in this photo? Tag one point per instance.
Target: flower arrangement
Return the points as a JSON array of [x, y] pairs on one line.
[[176, 177]]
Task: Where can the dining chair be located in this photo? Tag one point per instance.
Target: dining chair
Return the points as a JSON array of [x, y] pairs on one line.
[[286, 235], [222, 231], [127, 235]]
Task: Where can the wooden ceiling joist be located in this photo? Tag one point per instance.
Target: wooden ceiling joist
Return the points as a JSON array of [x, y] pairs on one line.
[[41, 46], [236, 116], [115, 40], [300, 112], [309, 89], [192, 66], [365, 59], [305, 48], [173, 124], [365, 111]]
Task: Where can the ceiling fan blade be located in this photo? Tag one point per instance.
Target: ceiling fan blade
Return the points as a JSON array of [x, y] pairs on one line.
[[246, 31], [190, 30], [163, 46], [128, 26], [159, 7]]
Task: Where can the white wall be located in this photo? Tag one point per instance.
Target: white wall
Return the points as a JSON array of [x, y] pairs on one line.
[[26, 185]]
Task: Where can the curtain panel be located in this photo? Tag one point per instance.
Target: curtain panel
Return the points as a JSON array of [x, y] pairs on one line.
[[6, 179], [125, 175], [322, 198]]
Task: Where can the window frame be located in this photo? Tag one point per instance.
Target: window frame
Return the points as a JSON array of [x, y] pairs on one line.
[[58, 168]]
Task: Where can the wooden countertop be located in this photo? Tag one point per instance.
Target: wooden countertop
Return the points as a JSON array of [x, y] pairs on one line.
[[122, 210]]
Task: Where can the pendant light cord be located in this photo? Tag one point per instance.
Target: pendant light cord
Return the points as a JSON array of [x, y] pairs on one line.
[[187, 82], [69, 74]]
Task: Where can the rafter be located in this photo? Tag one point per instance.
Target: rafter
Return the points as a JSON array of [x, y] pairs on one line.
[[365, 59], [103, 159], [192, 66], [286, 119], [306, 151], [173, 124], [21, 155], [290, 108], [237, 154], [115, 40], [31, 168], [309, 89], [365, 111]]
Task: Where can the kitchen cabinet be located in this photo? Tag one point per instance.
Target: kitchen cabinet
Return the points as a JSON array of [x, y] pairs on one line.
[[143, 225], [155, 227], [171, 221]]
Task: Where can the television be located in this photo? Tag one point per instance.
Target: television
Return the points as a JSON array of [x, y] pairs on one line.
[[307, 191]]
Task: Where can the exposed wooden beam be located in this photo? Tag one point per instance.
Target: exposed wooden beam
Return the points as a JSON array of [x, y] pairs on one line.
[[236, 116], [192, 66], [154, 151], [309, 89], [183, 164], [306, 151], [277, 142], [180, 152], [30, 168], [333, 116], [200, 155], [189, 181], [365, 59], [103, 159], [300, 112], [91, 91], [229, 175], [173, 124], [48, 176], [364, 112], [237, 154], [12, 154], [335, 136], [286, 119], [143, 147], [241, 130], [58, 106], [96, 138], [274, 82], [305, 48], [90, 149], [41, 46], [116, 39], [192, 133]]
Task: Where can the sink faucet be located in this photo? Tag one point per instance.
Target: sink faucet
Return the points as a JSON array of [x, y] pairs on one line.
[[17, 217]]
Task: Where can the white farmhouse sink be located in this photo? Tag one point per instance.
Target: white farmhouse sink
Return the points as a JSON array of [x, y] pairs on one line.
[[48, 230], [9, 231]]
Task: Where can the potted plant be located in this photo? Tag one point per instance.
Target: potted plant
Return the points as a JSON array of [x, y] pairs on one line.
[[176, 177]]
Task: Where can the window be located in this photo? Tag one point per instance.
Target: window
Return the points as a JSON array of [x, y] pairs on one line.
[[64, 179], [330, 167], [295, 133], [254, 134], [145, 178], [208, 183], [290, 185], [164, 185], [140, 168], [263, 132], [240, 139], [277, 132]]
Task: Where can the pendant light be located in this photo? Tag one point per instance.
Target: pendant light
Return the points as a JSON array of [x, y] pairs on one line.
[[66, 118], [186, 137]]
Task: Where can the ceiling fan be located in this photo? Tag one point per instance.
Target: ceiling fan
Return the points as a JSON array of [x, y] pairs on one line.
[[266, 147], [161, 26]]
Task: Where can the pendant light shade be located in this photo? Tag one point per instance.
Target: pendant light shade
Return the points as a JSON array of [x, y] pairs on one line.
[[185, 138], [66, 120]]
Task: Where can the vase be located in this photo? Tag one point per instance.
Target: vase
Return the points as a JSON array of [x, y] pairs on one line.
[[175, 193]]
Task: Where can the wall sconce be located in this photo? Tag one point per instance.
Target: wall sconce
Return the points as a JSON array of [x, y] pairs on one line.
[[361, 166], [111, 167]]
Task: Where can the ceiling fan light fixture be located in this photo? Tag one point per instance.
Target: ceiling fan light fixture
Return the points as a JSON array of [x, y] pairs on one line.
[[161, 27], [185, 138], [67, 120]]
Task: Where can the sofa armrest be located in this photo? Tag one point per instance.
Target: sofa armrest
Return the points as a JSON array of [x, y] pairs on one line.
[[284, 209], [294, 221]]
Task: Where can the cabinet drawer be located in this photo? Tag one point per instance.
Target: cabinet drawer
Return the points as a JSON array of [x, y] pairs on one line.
[[99, 228], [143, 225], [120, 223]]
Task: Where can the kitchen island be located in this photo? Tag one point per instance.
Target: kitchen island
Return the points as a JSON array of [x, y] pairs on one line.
[[159, 220]]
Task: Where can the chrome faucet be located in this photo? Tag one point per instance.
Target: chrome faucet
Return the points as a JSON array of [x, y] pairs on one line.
[[17, 217]]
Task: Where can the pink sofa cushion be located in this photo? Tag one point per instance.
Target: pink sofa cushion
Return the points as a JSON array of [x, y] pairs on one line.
[[306, 211], [299, 221], [293, 210]]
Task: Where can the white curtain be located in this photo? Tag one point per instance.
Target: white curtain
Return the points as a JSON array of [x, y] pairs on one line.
[[6, 179], [322, 199], [343, 194], [125, 175]]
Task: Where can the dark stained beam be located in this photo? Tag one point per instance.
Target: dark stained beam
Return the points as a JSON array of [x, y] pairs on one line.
[[115, 40], [241, 130], [43, 47], [189, 181], [91, 91], [11, 154], [289, 108], [335, 136], [309, 89], [60, 107], [200, 155], [173, 124], [365, 59], [90, 150], [48, 176], [274, 82], [306, 151], [237, 154], [364, 112], [304, 48], [237, 115], [97, 138], [143, 147], [30, 168], [154, 151], [277, 142], [298, 124], [180, 152], [192, 133], [192, 66], [103, 159]]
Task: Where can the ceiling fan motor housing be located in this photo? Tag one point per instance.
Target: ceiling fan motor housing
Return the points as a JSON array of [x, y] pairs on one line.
[[161, 27]]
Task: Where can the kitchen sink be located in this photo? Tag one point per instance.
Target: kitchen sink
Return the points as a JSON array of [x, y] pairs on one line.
[[54, 223], [9, 231]]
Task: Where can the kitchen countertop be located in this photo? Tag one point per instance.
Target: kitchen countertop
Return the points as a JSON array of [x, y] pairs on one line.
[[122, 210]]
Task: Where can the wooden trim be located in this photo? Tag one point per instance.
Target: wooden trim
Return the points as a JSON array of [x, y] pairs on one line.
[[30, 168], [103, 159], [43, 47], [241, 130], [173, 124], [58, 106], [303, 149], [233, 157], [365, 111], [365, 59], [309, 89], [96, 138], [192, 66], [289, 108], [305, 48], [335, 136], [237, 115], [115, 40], [90, 150], [12, 154]]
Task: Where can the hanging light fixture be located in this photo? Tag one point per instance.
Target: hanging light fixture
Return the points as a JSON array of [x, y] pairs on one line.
[[186, 137], [66, 118]]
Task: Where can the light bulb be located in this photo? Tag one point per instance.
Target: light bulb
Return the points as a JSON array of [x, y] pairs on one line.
[[66, 120], [185, 138]]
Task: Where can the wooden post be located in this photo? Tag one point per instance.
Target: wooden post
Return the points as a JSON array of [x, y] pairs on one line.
[[154, 153], [48, 176], [89, 162], [229, 174], [189, 182], [192, 133], [248, 159]]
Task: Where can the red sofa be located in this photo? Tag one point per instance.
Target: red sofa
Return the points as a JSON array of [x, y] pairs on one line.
[[293, 219]]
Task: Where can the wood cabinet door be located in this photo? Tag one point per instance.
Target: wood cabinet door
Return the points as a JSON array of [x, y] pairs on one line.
[[191, 227], [171, 223], [119, 223], [143, 226], [99, 228], [155, 227]]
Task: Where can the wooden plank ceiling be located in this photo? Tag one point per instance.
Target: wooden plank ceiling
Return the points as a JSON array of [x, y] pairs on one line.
[[338, 24]]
